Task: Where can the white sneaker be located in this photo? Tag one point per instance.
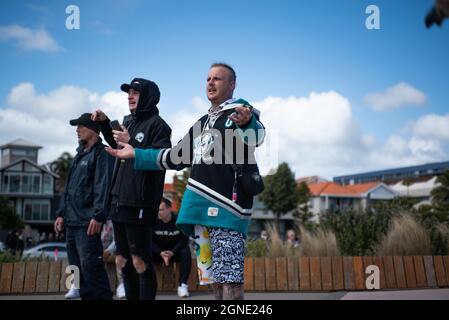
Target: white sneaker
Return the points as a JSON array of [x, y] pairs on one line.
[[120, 292], [73, 293], [183, 291]]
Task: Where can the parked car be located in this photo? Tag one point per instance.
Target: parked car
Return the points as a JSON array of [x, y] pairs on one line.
[[48, 250]]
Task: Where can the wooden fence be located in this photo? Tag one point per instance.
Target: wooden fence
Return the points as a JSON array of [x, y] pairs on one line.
[[261, 274]]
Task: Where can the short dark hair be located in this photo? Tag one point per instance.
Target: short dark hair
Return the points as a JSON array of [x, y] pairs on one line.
[[227, 66], [167, 202]]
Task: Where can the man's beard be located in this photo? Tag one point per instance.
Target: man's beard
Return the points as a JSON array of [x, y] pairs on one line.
[[82, 143]]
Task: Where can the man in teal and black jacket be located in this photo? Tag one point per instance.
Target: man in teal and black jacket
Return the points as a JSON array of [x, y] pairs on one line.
[[219, 148]]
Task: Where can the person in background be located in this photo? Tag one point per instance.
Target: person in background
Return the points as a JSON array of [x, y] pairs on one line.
[[291, 240], [170, 244]]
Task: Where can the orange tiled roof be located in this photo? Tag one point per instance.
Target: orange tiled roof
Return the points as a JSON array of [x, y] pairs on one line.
[[363, 187], [336, 189]]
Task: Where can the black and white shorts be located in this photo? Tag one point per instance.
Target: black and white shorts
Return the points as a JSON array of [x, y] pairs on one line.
[[228, 255]]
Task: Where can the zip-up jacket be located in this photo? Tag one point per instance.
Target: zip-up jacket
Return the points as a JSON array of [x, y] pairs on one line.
[[85, 193], [208, 199]]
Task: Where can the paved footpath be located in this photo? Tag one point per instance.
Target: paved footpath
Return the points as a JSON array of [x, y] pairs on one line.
[[425, 294]]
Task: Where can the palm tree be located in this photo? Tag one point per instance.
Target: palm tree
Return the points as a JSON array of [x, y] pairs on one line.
[[61, 167]]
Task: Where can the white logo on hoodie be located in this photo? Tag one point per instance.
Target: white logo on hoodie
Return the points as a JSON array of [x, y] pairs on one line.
[[139, 137]]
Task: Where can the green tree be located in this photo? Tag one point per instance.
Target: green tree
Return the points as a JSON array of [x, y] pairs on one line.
[[303, 215], [280, 194], [440, 198], [435, 218], [8, 218], [61, 167], [180, 184]]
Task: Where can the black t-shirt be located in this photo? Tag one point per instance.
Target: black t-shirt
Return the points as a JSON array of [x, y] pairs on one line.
[[166, 236]]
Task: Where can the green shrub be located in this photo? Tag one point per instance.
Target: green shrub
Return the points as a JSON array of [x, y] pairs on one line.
[[256, 248], [7, 256]]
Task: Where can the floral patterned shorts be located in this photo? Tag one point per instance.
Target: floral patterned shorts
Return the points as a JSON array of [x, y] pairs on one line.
[[228, 255]]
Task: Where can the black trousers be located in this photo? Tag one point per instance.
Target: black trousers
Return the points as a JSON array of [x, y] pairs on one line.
[[184, 257], [86, 252], [135, 240]]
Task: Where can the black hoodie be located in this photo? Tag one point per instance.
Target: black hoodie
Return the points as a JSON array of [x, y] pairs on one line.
[[139, 188]]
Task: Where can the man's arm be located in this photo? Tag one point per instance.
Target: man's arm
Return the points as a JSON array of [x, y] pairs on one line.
[[103, 174], [157, 159], [105, 128], [182, 243], [155, 248], [61, 209], [176, 158]]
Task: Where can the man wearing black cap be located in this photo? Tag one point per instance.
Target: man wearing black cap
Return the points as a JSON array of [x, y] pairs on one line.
[[83, 210], [135, 195]]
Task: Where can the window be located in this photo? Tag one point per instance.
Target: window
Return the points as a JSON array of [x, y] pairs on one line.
[[15, 183], [23, 152], [45, 211], [5, 152], [36, 184], [48, 184], [5, 183], [18, 152], [28, 211], [26, 184], [37, 210], [21, 183]]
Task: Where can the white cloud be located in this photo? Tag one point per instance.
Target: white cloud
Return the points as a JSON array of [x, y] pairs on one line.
[[316, 134], [395, 97], [433, 126], [425, 148], [29, 39], [43, 118]]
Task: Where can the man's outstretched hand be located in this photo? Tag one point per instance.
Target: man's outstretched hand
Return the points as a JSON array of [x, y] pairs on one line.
[[127, 152], [241, 116]]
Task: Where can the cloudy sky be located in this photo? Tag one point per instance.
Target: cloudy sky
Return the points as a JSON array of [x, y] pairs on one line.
[[336, 97]]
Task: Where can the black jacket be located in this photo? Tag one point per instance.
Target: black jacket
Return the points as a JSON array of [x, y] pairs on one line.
[[167, 236], [139, 188], [85, 193]]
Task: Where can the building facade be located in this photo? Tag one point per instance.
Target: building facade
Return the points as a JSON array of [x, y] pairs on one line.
[[395, 175], [29, 187]]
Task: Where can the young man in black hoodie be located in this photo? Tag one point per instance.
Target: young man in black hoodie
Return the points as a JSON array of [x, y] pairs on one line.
[[135, 195]]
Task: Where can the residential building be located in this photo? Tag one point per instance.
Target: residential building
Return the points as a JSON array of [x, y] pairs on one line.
[[29, 187], [331, 196]]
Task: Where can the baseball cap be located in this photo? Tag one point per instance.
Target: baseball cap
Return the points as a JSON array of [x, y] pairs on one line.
[[86, 121]]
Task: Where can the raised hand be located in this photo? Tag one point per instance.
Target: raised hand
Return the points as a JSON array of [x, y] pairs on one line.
[[127, 152]]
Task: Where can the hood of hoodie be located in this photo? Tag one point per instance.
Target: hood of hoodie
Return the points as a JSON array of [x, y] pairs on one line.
[[148, 99]]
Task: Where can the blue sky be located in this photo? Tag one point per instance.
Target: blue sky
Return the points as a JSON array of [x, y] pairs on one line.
[[279, 49]]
